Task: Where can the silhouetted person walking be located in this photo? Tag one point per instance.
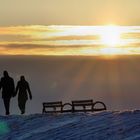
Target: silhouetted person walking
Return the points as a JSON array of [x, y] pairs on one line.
[[8, 90], [22, 88]]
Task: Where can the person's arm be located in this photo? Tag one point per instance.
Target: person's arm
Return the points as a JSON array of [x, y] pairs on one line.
[[0, 85], [13, 85], [29, 91], [17, 88]]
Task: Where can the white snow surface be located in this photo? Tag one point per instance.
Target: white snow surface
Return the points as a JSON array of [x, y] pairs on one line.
[[106, 125]]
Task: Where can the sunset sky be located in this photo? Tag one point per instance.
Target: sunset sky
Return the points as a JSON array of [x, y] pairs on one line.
[[52, 27], [69, 12]]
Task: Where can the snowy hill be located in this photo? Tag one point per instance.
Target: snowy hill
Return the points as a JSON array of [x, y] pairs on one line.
[[78, 126]]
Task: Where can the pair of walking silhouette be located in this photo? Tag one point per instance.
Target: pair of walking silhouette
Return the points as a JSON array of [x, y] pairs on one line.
[[8, 91]]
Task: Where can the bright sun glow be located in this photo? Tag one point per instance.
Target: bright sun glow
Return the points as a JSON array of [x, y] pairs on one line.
[[110, 39], [110, 36]]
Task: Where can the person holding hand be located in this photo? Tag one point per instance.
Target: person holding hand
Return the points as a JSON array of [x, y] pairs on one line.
[[22, 89], [8, 90]]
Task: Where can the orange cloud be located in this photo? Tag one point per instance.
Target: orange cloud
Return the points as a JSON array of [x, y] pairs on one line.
[[64, 40]]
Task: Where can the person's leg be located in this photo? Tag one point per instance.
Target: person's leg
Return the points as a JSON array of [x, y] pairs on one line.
[[21, 104], [7, 105], [23, 107]]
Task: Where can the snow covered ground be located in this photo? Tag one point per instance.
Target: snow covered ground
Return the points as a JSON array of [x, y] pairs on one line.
[[107, 125]]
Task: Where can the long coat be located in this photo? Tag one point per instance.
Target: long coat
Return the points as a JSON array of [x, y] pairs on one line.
[[8, 87], [22, 88]]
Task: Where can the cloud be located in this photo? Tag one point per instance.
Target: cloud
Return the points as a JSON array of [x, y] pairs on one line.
[[62, 40], [24, 29]]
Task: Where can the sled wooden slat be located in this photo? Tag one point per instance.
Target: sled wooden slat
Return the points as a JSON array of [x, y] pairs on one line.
[[74, 106]]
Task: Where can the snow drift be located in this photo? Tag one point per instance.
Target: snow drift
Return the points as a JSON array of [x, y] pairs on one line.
[[107, 125]]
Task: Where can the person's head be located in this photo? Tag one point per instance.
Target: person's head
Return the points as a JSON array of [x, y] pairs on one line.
[[5, 73], [22, 78]]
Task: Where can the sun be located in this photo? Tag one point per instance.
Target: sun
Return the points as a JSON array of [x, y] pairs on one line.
[[110, 36]]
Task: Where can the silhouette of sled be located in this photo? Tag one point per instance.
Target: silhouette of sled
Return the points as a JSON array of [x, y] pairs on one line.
[[75, 106]]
